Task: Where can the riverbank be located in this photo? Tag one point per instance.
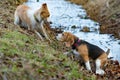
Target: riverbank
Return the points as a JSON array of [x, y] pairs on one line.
[[106, 12]]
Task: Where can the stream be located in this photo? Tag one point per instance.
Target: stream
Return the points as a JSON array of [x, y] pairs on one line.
[[72, 18]]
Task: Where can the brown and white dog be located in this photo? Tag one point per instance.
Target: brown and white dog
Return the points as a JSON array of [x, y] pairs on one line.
[[32, 19], [85, 50]]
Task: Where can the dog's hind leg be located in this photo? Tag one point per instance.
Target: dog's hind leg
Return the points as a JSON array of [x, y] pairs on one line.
[[16, 19], [38, 35], [98, 69], [100, 62], [44, 32], [83, 51]]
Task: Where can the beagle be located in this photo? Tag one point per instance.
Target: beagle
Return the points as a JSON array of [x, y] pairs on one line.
[[32, 19], [85, 50]]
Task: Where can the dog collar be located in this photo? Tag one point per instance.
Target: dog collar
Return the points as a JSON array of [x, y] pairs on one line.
[[76, 43], [37, 19]]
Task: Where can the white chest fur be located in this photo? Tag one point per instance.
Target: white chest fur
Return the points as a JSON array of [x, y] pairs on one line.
[[30, 14], [76, 52]]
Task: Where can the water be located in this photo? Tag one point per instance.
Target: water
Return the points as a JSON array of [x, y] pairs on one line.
[[65, 14]]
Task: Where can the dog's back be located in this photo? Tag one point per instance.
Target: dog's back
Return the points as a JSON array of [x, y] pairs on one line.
[[93, 50], [21, 15]]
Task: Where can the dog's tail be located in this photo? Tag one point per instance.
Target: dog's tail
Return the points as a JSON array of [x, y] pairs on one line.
[[108, 51]]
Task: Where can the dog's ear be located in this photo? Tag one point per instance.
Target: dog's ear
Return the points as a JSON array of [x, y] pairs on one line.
[[67, 44], [44, 5], [44, 12], [70, 40]]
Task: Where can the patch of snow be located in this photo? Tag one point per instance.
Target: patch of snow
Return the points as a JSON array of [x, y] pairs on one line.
[[66, 14]]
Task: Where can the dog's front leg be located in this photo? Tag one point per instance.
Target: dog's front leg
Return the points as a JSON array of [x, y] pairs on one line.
[[98, 69], [16, 19], [85, 58], [38, 35], [87, 62], [45, 34], [30, 28]]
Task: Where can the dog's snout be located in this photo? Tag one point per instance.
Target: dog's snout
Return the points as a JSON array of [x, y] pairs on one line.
[[56, 34]]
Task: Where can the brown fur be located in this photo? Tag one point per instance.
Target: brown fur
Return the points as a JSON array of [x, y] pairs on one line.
[[82, 49], [44, 11], [103, 59], [69, 38], [26, 18], [22, 12]]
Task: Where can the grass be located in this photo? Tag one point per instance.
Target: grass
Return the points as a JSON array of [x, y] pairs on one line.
[[25, 57]]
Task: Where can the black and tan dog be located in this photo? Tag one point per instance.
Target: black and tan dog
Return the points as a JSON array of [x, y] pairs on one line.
[[85, 50]]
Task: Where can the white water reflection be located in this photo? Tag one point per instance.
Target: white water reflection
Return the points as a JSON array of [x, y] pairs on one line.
[[66, 15]]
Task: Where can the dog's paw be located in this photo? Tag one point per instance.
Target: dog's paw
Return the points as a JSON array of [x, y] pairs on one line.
[[100, 72], [66, 53]]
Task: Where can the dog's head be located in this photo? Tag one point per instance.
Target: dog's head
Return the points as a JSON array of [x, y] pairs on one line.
[[44, 11], [67, 38]]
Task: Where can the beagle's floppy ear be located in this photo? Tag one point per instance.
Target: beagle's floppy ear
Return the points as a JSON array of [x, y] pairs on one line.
[[44, 5], [70, 40], [67, 44]]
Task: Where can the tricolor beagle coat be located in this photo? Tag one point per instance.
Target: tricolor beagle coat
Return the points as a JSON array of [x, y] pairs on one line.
[[86, 50]]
